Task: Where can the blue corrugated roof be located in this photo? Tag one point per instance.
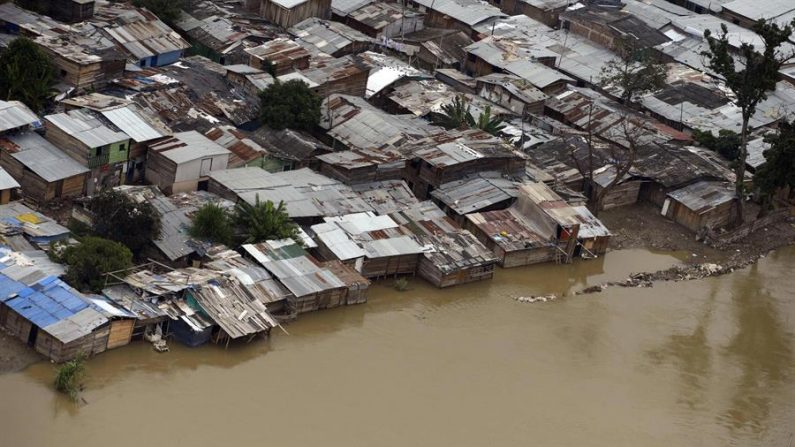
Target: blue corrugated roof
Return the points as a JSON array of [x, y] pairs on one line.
[[9, 287], [46, 302]]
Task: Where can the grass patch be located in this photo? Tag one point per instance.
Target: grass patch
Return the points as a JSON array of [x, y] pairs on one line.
[[68, 377], [401, 284]]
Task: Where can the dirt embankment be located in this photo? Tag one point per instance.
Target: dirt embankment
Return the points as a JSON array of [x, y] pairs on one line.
[[641, 226], [15, 355]]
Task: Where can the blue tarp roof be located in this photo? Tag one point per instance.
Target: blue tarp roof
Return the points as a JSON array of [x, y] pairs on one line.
[[46, 302]]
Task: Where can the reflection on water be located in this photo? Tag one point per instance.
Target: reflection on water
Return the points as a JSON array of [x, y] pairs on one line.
[[695, 363]]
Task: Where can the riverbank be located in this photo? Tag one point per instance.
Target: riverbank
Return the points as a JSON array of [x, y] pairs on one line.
[[639, 226]]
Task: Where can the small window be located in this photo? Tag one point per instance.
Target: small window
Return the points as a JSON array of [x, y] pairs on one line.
[[100, 150], [122, 147]]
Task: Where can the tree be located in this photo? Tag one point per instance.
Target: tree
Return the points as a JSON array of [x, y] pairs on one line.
[[212, 223], [263, 221], [290, 104], [616, 155], [26, 74], [166, 10], [749, 73], [457, 115], [778, 171], [727, 143], [88, 262], [636, 71], [488, 123], [118, 217], [68, 377]]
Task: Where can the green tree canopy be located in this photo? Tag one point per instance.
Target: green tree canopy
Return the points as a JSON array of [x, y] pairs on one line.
[[166, 10], [778, 171], [27, 74], [750, 73], [263, 221], [91, 259], [289, 105], [120, 218], [636, 71], [727, 143], [212, 223], [457, 115]]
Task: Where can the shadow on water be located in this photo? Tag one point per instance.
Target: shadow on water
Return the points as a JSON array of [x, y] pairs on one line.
[[762, 348], [691, 354]]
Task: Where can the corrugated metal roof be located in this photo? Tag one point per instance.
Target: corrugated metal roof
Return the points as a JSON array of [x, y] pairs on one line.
[[470, 12], [183, 147], [327, 36], [57, 309], [41, 156], [147, 38], [14, 114], [476, 193], [702, 197], [6, 181], [87, 128], [133, 124], [344, 7]]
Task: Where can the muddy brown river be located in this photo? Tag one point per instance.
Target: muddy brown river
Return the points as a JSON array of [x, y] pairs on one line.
[[699, 363]]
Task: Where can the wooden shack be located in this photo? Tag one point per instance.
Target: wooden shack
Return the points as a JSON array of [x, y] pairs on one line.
[[626, 192], [512, 238], [314, 285], [700, 205], [287, 13], [184, 162], [44, 172], [53, 318], [93, 142], [282, 55]]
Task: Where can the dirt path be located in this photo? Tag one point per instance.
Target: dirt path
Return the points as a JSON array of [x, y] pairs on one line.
[[15, 355]]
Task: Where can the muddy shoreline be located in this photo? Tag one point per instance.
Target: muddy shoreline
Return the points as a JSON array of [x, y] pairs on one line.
[[637, 226], [640, 226]]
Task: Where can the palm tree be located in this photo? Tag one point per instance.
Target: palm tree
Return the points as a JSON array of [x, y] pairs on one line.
[[264, 221], [455, 115], [488, 123]]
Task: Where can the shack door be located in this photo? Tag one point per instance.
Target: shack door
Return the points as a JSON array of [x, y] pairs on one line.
[[207, 165]]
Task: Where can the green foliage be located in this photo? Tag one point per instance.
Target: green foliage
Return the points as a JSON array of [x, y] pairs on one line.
[[457, 115], [401, 284], [750, 73], [78, 228], [212, 223], [87, 262], [635, 72], [120, 218], [727, 143], [778, 171], [69, 375], [290, 104], [166, 10], [26, 74], [488, 123], [263, 221]]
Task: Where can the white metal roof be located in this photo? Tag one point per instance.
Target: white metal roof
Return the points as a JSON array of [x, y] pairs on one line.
[[188, 146], [6, 181], [86, 128], [14, 114], [131, 123]]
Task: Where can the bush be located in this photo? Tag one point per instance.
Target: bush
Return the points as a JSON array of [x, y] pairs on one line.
[[69, 375], [727, 143], [119, 218], [289, 105], [88, 262], [212, 223], [264, 221], [401, 284]]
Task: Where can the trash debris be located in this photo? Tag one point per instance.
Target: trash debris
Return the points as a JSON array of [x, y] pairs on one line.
[[537, 299]]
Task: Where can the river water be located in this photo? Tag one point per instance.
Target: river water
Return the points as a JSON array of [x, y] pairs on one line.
[[699, 363]]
